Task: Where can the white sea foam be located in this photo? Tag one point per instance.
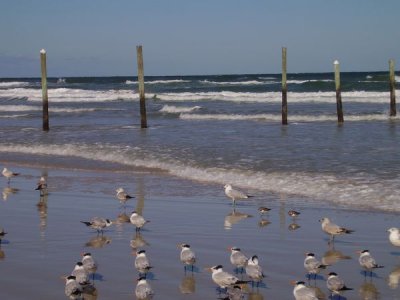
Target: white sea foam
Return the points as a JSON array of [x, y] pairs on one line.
[[307, 81], [21, 108], [178, 109], [159, 81], [13, 84], [358, 190], [250, 82], [397, 78], [291, 118]]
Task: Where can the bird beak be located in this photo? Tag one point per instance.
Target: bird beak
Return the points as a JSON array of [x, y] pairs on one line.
[[229, 248], [293, 282], [63, 277], [358, 251], [208, 269]]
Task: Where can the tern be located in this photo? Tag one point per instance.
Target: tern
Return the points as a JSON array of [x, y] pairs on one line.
[[141, 262], [332, 229], [303, 292], [224, 279], [122, 196], [82, 277], [98, 223], [143, 289], [187, 256], [234, 194], [9, 174], [137, 220], [336, 284], [254, 270], [394, 236], [72, 289], [312, 265], [89, 263], [367, 262], [237, 258]]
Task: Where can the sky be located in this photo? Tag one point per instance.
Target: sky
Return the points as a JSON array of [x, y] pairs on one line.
[[196, 37]]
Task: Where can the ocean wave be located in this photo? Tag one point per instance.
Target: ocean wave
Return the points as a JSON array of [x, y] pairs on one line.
[[250, 82], [21, 108], [291, 118], [358, 190], [178, 109], [159, 81], [13, 84], [308, 81]]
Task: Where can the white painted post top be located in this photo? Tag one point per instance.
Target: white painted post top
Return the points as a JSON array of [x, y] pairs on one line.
[[42, 51], [336, 62]]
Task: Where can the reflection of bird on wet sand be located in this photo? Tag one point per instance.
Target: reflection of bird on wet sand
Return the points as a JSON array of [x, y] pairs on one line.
[[8, 174], [394, 278], [7, 191], [188, 284], [138, 241], [2, 254], [255, 296], [98, 241], [332, 256], [368, 291], [263, 222], [234, 217], [42, 209], [293, 226]]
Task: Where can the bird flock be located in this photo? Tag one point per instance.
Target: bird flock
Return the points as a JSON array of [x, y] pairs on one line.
[[80, 283]]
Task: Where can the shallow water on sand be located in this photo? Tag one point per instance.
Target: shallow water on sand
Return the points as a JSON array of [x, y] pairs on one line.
[[44, 242]]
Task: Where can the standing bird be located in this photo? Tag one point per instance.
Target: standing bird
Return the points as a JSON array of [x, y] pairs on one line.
[[224, 279], [9, 174], [394, 236], [234, 194], [303, 292], [142, 263], [187, 256], [143, 289], [137, 220], [238, 259], [312, 265], [89, 263], [82, 277], [122, 196], [367, 262], [98, 223], [293, 213], [336, 284], [263, 210], [332, 229], [254, 270], [41, 186], [72, 289]]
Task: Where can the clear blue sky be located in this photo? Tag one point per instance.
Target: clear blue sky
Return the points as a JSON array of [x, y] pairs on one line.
[[190, 37]]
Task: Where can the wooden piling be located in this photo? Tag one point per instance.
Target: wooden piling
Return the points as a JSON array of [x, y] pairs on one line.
[[339, 107], [143, 117], [392, 84], [44, 90], [284, 88]]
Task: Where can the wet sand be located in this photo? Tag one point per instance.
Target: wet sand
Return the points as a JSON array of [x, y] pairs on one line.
[[45, 241]]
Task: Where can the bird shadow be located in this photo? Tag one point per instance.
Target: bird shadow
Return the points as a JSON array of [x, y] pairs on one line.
[[337, 297], [189, 269], [4, 242], [395, 253], [97, 277], [314, 277], [368, 274]]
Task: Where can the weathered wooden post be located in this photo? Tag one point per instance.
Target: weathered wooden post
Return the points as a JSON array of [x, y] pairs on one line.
[[44, 90], [284, 88], [143, 117], [392, 83], [339, 107]]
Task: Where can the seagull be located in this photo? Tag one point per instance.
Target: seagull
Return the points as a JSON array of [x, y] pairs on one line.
[[41, 185], [224, 279], [82, 277], [72, 289], [312, 265], [303, 292], [187, 255], [98, 223], [137, 220], [89, 263], [367, 261], [234, 194], [122, 195], [336, 284], [394, 236], [9, 174], [143, 289], [293, 213], [263, 210], [141, 262], [238, 259], [332, 229], [254, 270]]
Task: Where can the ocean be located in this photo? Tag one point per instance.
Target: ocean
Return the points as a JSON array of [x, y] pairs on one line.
[[217, 129]]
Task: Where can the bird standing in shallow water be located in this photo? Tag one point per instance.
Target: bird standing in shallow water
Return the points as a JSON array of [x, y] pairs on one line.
[[254, 270], [293, 213], [143, 289], [312, 265], [42, 186], [367, 262], [137, 220], [122, 196], [9, 174], [394, 236], [72, 289], [224, 279], [303, 292], [234, 194], [98, 223], [332, 229], [238, 259], [187, 256], [336, 284], [142, 263]]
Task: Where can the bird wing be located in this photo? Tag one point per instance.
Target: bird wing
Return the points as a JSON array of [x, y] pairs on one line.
[[188, 256], [367, 261], [335, 283], [98, 222], [306, 294], [311, 264]]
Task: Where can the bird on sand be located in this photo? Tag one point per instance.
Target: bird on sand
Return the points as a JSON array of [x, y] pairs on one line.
[[224, 279], [234, 194], [394, 236], [237, 258], [73, 290], [143, 289], [336, 284], [98, 223], [254, 270], [312, 265], [138, 220], [293, 213], [187, 256], [9, 174], [89, 264], [263, 210], [367, 262], [303, 292], [82, 277], [41, 185], [142, 263], [122, 196], [332, 229]]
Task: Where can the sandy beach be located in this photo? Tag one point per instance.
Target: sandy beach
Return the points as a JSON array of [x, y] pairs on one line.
[[45, 241]]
